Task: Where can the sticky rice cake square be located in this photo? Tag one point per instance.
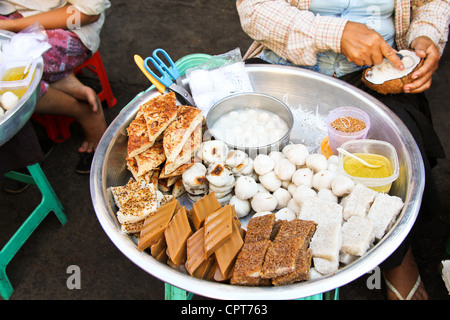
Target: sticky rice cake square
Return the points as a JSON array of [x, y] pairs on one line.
[[295, 228], [249, 263], [260, 228], [357, 235], [358, 202], [383, 212], [327, 241], [301, 271], [281, 257], [320, 211]]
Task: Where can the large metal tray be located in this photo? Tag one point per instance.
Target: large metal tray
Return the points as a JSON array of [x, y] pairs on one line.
[[13, 120], [311, 96]]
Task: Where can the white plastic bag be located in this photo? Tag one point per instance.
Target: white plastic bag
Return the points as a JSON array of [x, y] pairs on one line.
[[218, 78], [30, 43]]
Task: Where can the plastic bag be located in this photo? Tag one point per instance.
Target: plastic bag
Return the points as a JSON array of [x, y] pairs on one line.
[[30, 43], [218, 78]]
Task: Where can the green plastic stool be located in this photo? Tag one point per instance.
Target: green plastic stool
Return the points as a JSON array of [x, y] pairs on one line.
[[49, 202], [174, 293]]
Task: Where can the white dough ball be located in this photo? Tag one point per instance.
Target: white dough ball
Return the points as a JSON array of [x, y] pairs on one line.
[[294, 206], [297, 154], [303, 176], [235, 158], [9, 100], [245, 187], [276, 156], [263, 202], [342, 185], [333, 163], [328, 195], [323, 179], [213, 151], [248, 168], [270, 181], [302, 193], [242, 207], [283, 196], [263, 164], [284, 169], [285, 214], [261, 188], [286, 148], [2, 112], [317, 162], [285, 183], [291, 188]]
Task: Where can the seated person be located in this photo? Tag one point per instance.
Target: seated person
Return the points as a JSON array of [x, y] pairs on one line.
[[73, 28], [341, 39]]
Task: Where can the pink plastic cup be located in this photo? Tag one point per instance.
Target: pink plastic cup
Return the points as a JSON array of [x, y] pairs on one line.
[[336, 137]]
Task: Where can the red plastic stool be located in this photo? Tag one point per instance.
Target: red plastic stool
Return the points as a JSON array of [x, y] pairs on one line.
[[95, 65], [57, 127]]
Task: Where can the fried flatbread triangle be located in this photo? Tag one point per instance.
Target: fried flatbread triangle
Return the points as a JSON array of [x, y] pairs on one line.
[[150, 159], [138, 140], [159, 113], [188, 151], [180, 130]]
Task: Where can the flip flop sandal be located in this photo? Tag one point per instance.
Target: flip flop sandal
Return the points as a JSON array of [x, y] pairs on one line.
[[84, 165], [399, 296]]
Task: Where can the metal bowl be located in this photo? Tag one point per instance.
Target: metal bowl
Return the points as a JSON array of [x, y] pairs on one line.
[[14, 119], [310, 96], [253, 100]]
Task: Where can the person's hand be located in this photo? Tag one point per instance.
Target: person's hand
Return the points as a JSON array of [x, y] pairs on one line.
[[424, 48], [364, 46]]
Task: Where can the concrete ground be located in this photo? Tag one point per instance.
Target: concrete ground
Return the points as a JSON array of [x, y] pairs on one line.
[[39, 270]]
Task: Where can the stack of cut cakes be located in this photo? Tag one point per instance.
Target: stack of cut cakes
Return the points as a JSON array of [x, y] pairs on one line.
[[203, 241], [347, 230], [274, 252], [162, 141]]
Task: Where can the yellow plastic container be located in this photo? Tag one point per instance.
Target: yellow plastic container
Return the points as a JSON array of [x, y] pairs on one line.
[[12, 77], [380, 151]]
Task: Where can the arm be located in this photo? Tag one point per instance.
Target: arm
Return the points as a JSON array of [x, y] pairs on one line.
[[53, 19], [427, 35], [294, 34]]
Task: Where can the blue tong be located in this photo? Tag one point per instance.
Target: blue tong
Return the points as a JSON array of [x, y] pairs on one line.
[[169, 76]]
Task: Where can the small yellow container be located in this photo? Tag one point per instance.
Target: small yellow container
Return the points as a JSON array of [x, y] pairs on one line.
[[13, 79], [382, 152]]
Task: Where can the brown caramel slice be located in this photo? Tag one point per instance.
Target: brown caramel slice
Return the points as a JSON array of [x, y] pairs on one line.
[[281, 257], [217, 229], [176, 234], [227, 253], [156, 224], [158, 250], [195, 251], [260, 228], [202, 208], [249, 263], [206, 269]]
